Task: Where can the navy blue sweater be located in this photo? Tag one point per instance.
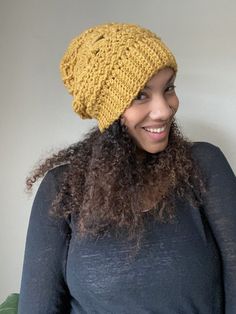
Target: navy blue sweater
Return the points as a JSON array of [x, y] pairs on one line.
[[184, 267]]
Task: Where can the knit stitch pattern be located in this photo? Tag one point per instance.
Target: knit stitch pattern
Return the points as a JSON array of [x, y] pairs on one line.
[[105, 67]]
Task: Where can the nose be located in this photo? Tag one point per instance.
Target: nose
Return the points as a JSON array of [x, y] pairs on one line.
[[160, 109]]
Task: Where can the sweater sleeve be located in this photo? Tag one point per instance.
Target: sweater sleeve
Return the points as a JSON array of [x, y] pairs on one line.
[[43, 286], [220, 210]]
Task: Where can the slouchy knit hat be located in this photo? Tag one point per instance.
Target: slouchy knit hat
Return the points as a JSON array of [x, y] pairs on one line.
[[105, 67]]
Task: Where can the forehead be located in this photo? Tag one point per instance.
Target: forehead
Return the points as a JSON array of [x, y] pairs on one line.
[[161, 78]]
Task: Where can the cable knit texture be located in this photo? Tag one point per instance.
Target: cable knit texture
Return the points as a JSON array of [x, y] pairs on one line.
[[105, 67]]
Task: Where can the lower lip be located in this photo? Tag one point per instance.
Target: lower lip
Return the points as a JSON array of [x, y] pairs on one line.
[[156, 136]]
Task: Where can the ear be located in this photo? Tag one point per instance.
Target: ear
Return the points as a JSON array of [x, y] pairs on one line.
[[122, 120]]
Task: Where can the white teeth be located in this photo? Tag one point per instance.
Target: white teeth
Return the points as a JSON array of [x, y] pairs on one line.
[[155, 130]]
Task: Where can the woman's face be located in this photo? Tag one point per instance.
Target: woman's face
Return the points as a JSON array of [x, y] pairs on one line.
[[149, 117]]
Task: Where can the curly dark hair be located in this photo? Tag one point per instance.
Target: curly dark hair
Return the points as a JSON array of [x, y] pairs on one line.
[[109, 184]]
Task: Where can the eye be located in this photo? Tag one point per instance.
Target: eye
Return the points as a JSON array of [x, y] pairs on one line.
[[141, 96], [170, 89]]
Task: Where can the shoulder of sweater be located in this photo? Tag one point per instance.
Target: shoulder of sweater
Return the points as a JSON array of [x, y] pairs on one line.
[[56, 174], [59, 170], [205, 150], [209, 156]]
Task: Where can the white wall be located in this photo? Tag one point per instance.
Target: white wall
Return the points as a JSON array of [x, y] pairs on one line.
[[36, 114]]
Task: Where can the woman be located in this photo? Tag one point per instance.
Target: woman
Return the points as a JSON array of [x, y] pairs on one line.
[[134, 218]]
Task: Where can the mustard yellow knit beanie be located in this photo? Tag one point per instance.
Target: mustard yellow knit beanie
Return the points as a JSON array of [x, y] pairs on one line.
[[106, 66]]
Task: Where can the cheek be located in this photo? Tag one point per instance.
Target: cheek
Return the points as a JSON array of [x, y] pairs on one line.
[[127, 122], [130, 121], [129, 117]]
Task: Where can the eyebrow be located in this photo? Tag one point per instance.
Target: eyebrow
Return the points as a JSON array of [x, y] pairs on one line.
[[173, 76]]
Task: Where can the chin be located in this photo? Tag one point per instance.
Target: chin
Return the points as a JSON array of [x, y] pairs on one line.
[[154, 149]]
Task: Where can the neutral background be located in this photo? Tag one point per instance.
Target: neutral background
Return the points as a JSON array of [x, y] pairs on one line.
[[36, 116]]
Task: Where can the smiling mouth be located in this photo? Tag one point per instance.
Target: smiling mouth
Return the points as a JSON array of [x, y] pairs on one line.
[[155, 130]]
